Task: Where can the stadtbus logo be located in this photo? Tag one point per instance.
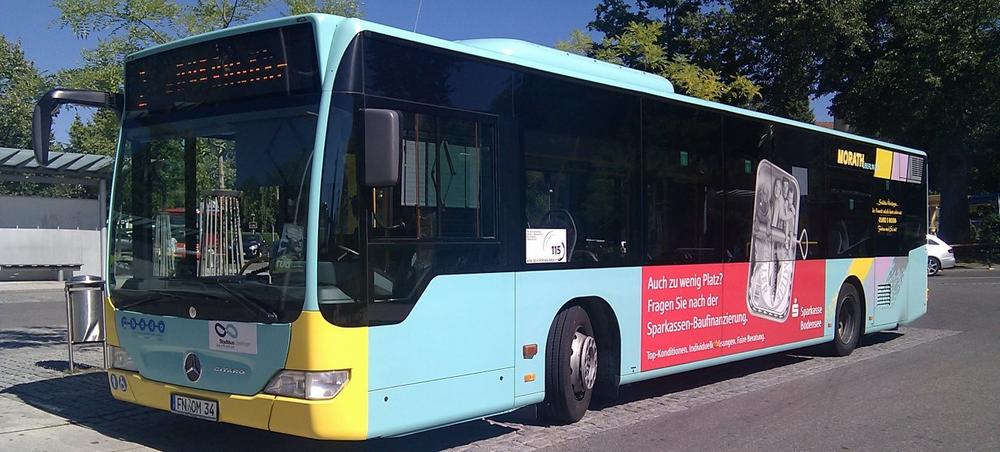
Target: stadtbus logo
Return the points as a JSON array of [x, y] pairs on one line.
[[234, 337], [228, 330]]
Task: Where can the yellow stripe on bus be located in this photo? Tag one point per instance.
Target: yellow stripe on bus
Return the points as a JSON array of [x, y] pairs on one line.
[[110, 326], [883, 163]]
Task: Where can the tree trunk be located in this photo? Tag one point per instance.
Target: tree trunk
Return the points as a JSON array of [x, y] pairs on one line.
[[953, 182]]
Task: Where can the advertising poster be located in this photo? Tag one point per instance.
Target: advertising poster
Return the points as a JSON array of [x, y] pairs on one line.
[[696, 312]]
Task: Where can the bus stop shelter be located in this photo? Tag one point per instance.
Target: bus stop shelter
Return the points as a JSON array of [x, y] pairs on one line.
[[53, 236]]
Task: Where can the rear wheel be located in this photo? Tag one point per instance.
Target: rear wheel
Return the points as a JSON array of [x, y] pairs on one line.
[[570, 366], [933, 266], [849, 321]]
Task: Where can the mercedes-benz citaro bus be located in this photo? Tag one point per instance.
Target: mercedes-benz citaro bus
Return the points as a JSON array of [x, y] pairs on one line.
[[459, 229]]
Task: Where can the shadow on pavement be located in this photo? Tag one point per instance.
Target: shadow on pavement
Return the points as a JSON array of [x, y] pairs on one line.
[[63, 366], [715, 374], [31, 337], [84, 399]]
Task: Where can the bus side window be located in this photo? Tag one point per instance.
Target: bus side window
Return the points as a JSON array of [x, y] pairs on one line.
[[446, 188], [746, 142], [684, 196], [580, 148]]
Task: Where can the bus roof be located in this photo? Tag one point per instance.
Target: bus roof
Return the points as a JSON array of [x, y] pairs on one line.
[[518, 53]]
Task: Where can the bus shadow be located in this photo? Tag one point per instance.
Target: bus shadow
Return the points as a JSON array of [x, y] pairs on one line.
[[85, 400], [31, 337]]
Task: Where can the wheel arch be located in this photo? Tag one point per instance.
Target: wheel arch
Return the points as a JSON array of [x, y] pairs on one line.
[[605, 323]]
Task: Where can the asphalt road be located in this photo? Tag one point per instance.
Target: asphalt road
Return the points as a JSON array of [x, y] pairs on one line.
[[39, 304], [940, 395], [932, 385]]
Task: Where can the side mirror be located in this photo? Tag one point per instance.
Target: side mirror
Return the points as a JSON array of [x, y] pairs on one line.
[[41, 118], [382, 147]]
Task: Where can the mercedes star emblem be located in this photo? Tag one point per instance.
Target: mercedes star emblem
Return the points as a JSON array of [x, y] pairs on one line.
[[192, 367]]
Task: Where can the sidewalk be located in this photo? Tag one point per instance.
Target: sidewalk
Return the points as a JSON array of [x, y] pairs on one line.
[[42, 407], [31, 286]]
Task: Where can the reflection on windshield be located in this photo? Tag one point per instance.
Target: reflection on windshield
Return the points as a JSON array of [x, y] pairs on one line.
[[210, 213]]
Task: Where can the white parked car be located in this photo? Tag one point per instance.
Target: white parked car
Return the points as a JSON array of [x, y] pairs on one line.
[[939, 255]]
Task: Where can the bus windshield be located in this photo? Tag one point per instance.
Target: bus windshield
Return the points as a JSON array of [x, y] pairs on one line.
[[212, 184]]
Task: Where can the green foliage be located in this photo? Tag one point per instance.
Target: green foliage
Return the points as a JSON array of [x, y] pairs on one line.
[[20, 84], [780, 46], [989, 230], [678, 19], [579, 43], [639, 46], [345, 8]]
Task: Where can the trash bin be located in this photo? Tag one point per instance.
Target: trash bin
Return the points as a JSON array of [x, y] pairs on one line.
[[84, 312], [85, 296]]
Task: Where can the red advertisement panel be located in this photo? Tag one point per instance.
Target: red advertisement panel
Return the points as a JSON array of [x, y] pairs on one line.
[[680, 305], [696, 312]]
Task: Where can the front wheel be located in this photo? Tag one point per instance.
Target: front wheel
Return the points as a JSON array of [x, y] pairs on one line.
[[570, 367], [849, 321]]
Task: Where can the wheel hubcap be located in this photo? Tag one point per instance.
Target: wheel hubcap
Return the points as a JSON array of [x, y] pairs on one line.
[[583, 362]]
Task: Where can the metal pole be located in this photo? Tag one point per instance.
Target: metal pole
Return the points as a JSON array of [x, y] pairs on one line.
[[104, 343], [69, 330], [102, 209]]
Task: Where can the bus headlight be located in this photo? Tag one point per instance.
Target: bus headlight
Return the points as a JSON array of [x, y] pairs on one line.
[[308, 385], [120, 359]]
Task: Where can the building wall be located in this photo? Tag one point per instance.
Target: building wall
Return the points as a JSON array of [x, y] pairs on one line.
[[48, 231]]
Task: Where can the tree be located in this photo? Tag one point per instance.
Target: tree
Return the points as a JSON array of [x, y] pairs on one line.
[[677, 18], [639, 46], [927, 74], [20, 84], [345, 8], [779, 45]]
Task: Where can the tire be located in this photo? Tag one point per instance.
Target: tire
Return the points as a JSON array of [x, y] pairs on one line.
[[933, 266], [569, 386], [848, 323]]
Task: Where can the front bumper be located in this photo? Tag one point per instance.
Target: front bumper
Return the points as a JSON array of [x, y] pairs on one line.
[[317, 419]]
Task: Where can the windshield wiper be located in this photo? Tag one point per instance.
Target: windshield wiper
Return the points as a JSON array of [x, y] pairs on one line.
[[151, 295], [243, 300], [248, 303]]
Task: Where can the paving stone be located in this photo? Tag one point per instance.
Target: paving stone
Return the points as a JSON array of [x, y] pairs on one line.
[[42, 407]]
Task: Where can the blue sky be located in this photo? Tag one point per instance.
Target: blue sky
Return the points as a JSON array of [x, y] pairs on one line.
[[540, 21]]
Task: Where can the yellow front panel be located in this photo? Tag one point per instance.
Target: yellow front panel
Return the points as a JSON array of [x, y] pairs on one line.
[[317, 345], [251, 411], [110, 328]]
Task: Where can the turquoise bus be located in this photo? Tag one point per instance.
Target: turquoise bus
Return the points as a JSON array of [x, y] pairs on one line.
[[461, 229]]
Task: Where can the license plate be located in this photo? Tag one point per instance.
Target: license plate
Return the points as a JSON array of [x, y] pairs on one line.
[[190, 406]]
